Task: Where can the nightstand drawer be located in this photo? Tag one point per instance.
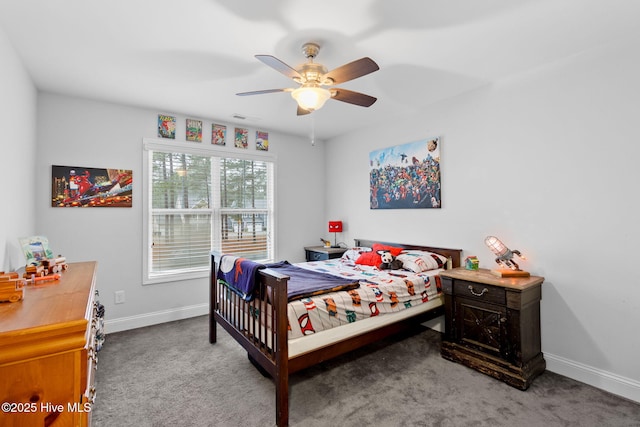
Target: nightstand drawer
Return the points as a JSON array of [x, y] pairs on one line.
[[321, 253], [316, 256], [480, 292]]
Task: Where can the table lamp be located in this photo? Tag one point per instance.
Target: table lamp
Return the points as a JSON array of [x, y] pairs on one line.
[[335, 227], [504, 258]]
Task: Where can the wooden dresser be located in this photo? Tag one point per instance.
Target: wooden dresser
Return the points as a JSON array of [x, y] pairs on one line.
[[48, 353], [492, 324]]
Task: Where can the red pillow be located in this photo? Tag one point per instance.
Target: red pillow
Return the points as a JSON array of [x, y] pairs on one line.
[[380, 247], [369, 258]]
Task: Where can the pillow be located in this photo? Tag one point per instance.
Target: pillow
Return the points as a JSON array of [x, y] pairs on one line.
[[354, 253], [373, 258], [380, 247], [419, 261], [369, 258]]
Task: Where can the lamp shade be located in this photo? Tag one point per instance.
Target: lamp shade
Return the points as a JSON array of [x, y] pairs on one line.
[[311, 98], [335, 226], [504, 257], [496, 246]]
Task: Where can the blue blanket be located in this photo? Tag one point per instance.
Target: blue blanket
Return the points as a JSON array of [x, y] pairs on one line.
[[240, 274], [305, 283]]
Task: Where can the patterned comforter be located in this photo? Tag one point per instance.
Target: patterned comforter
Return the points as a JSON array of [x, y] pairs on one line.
[[379, 292]]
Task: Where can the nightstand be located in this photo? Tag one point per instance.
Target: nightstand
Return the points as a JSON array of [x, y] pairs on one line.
[[492, 324], [319, 253]]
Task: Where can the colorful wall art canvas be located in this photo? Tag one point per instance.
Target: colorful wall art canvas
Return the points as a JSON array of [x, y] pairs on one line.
[[405, 176], [194, 130], [242, 138], [262, 140], [218, 134], [77, 186], [166, 126]]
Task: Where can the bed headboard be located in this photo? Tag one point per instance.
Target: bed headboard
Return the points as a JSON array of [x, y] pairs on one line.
[[454, 254]]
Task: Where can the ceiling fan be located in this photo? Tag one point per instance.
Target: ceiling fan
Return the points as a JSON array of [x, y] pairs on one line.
[[313, 77]]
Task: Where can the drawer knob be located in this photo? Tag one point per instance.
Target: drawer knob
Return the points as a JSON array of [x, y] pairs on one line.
[[92, 355], [92, 395], [484, 291]]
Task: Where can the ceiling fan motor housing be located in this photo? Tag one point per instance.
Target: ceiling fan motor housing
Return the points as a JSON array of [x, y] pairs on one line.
[[310, 50], [311, 73]]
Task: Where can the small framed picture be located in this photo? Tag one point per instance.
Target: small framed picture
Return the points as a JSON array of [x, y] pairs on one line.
[[262, 140], [35, 248], [218, 134], [194, 130], [166, 126], [242, 138]]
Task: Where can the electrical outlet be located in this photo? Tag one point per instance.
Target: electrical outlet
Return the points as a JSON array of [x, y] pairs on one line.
[[119, 297]]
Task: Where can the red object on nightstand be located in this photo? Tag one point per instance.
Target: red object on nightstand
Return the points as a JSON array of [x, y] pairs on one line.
[[335, 227]]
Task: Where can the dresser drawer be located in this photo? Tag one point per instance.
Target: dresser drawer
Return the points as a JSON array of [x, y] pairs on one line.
[[479, 292]]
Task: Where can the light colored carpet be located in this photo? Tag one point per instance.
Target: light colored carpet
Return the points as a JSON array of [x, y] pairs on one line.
[[169, 375]]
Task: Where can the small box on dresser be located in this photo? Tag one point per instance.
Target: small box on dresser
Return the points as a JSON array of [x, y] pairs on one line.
[[492, 324]]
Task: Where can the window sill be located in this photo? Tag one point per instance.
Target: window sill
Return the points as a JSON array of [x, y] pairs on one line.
[[177, 277]]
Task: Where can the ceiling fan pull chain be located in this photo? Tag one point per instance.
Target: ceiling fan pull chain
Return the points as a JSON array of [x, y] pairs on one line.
[[313, 131]]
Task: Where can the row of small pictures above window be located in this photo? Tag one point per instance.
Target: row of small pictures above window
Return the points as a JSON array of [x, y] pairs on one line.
[[167, 129]]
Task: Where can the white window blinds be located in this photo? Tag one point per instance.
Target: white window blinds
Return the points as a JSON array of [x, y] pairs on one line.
[[201, 202]]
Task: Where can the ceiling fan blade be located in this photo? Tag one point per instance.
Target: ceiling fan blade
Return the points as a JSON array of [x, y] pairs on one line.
[[260, 92], [302, 111], [278, 65], [352, 97], [353, 70]]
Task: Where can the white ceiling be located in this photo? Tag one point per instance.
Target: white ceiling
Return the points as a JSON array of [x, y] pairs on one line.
[[192, 56]]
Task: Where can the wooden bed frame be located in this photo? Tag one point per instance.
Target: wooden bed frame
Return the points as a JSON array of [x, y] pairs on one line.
[[259, 333]]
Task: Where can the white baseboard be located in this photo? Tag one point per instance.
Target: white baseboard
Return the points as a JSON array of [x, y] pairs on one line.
[[154, 318], [612, 383]]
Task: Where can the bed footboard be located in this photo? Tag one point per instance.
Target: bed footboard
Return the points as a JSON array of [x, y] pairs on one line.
[[260, 326]]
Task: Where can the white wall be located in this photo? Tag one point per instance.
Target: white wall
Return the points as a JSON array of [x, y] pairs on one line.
[[546, 161], [77, 132], [17, 145]]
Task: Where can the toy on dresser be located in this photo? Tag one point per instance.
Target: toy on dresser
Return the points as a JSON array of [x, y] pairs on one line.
[[47, 269], [11, 287], [55, 265]]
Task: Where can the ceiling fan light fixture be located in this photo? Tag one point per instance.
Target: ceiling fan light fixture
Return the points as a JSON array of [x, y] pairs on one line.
[[311, 98]]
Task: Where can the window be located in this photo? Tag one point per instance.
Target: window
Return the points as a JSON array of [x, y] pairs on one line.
[[201, 200]]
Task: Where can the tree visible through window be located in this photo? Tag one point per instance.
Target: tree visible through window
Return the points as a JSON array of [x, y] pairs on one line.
[[201, 203]]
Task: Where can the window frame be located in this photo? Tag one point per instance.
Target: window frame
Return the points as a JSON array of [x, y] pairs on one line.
[[152, 144]]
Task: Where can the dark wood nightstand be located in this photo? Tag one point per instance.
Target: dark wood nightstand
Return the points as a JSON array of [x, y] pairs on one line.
[[319, 253], [492, 324]]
